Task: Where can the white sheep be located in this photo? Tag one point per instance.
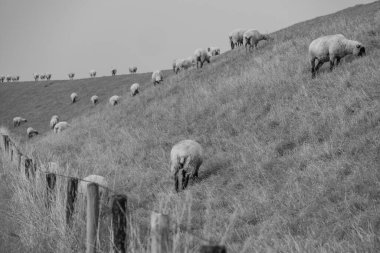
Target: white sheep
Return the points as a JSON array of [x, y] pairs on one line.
[[15, 78], [71, 75], [331, 48], [48, 76], [101, 181], [157, 77], [201, 56], [113, 72], [17, 121], [2, 78], [132, 69], [236, 37], [252, 38], [31, 132], [61, 126], [92, 73], [184, 64], [9, 78], [42, 76], [36, 76], [94, 99], [135, 89], [185, 159], [214, 51], [53, 121], [74, 97], [114, 100]]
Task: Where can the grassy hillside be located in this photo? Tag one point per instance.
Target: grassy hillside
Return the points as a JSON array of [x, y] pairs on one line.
[[291, 163]]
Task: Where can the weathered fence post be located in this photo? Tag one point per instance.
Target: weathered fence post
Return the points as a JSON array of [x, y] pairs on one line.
[[92, 217], [51, 180], [212, 249], [159, 233], [72, 189], [119, 223]]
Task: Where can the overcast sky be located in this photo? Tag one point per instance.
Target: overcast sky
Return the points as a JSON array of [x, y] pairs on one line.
[[60, 36]]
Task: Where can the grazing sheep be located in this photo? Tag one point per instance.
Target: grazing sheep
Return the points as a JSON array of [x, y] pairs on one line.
[[214, 51], [92, 73], [74, 97], [157, 77], [9, 78], [201, 56], [31, 132], [48, 76], [185, 159], [236, 38], [113, 72], [17, 121], [184, 64], [94, 99], [82, 188], [15, 78], [36, 76], [2, 78], [60, 126], [331, 48], [114, 100], [252, 38], [132, 69], [42, 76], [54, 121], [135, 89], [71, 75]]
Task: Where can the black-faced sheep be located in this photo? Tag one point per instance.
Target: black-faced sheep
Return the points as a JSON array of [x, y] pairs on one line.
[[185, 159], [15, 78], [18, 120], [2, 78], [31, 132], [60, 126], [236, 38], [54, 121], [114, 100], [42, 76], [48, 76], [9, 78], [214, 51], [252, 38], [94, 99], [201, 56], [132, 69], [92, 73], [71, 75], [113, 72], [157, 77], [331, 48], [74, 97], [135, 89], [36, 76]]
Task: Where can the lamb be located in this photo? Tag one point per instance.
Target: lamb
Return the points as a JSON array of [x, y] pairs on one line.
[[54, 121], [74, 97], [331, 48], [60, 126], [132, 69], [113, 72], [36, 76], [2, 78], [15, 78], [236, 37], [214, 51], [94, 99], [114, 100], [101, 181], [157, 77], [42, 76], [71, 75], [31, 132], [185, 159], [48, 76], [92, 73], [201, 56], [252, 38], [135, 89], [17, 121]]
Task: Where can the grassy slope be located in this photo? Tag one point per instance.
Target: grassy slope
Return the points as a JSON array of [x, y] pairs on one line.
[[291, 163]]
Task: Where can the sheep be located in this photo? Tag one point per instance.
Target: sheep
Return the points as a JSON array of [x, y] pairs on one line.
[[36, 76], [157, 77], [82, 188], [132, 69], [71, 75], [175, 64], [114, 100], [92, 73], [54, 121], [31, 132], [94, 99], [185, 159], [74, 97], [331, 48], [135, 89], [15, 78], [201, 56], [252, 38], [113, 72], [17, 121], [9, 78], [42, 76], [184, 64], [214, 51], [2, 78], [48, 76], [236, 38], [60, 126]]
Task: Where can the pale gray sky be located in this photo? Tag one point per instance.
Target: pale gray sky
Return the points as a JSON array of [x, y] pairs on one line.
[[60, 36]]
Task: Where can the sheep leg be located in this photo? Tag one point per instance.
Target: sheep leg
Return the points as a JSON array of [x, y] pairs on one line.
[[176, 182], [337, 61], [312, 68], [332, 60]]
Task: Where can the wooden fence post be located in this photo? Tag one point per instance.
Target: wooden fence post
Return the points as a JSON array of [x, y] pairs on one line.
[[213, 249], [51, 180], [159, 233], [119, 223], [72, 189], [92, 217]]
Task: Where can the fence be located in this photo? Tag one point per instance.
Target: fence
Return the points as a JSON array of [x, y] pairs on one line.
[[160, 223]]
